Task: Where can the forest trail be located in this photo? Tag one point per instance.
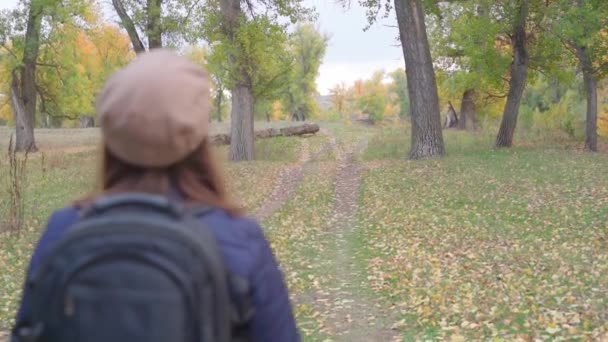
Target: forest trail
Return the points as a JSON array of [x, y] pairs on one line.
[[343, 306], [290, 178], [347, 307]]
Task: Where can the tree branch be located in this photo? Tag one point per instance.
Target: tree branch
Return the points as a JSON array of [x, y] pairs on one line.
[[128, 24], [494, 96], [10, 51], [47, 65]]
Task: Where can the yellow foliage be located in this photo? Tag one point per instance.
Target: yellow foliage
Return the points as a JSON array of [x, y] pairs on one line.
[[602, 123], [391, 110], [6, 113], [277, 111]]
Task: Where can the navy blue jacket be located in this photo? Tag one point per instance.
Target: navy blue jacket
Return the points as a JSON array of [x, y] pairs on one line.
[[246, 253]]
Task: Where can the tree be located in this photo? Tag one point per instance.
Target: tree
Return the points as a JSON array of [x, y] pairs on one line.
[[23, 79], [427, 137], [247, 41], [23, 41], [307, 47], [519, 74], [75, 56], [372, 100], [582, 27], [217, 75], [161, 23], [339, 95], [399, 88], [468, 114]]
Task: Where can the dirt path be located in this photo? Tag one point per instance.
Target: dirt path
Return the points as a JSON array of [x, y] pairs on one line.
[[289, 178], [350, 313]]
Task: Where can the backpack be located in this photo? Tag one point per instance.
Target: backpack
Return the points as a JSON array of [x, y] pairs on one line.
[[135, 267]]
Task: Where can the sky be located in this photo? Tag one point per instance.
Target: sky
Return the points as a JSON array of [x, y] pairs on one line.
[[352, 54]]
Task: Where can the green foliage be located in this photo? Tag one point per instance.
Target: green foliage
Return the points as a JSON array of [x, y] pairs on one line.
[[77, 53], [373, 100], [583, 25], [549, 105], [399, 87], [306, 47]]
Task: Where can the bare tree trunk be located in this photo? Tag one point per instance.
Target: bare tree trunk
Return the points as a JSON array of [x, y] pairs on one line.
[[23, 91], [220, 95], [591, 91], [427, 137], [153, 24], [451, 118], [517, 84], [468, 117], [127, 23], [86, 121], [24, 128], [241, 126]]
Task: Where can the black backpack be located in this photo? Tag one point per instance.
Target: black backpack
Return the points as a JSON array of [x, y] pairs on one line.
[[135, 267]]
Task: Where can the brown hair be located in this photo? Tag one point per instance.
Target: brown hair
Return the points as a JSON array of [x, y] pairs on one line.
[[197, 178]]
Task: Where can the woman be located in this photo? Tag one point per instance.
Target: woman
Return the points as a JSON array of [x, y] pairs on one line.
[[154, 116]]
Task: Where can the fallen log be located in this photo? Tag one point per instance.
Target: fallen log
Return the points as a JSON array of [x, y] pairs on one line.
[[224, 139], [300, 130]]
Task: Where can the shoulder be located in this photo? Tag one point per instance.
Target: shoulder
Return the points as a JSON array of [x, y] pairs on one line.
[[57, 225], [241, 239]]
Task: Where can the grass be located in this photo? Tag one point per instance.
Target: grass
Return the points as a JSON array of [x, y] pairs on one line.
[[297, 237], [483, 244], [509, 244]]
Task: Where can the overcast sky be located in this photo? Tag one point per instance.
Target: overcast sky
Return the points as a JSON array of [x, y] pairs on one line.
[[352, 54]]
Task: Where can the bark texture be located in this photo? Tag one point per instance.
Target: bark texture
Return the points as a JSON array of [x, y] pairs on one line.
[[591, 93], [517, 83], [451, 118], [154, 24], [241, 125], [427, 137], [23, 88], [24, 127], [468, 115]]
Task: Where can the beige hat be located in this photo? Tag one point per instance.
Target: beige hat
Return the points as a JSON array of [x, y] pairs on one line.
[[155, 111]]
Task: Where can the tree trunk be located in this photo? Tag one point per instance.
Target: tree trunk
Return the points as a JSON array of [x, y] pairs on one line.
[[86, 121], [591, 92], [224, 139], [468, 117], [153, 24], [306, 128], [127, 23], [427, 137], [241, 115], [451, 119], [24, 128], [24, 95], [241, 126], [218, 103], [517, 84]]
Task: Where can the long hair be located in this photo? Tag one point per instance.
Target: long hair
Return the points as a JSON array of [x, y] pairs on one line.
[[197, 179]]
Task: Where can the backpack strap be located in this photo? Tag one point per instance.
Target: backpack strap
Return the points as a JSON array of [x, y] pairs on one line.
[[241, 305], [134, 199], [208, 244]]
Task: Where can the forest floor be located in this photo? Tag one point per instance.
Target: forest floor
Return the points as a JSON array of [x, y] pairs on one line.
[[483, 244]]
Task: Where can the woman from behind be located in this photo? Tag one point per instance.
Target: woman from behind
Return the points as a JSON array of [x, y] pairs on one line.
[[154, 117]]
